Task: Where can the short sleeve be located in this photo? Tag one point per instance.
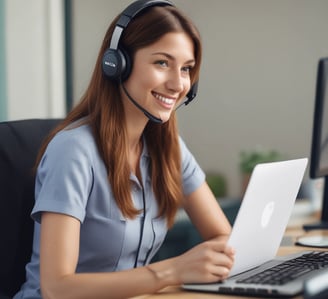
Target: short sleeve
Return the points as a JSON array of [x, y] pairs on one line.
[[64, 177], [192, 174]]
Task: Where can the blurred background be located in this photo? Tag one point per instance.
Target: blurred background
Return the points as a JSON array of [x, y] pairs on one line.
[[257, 86]]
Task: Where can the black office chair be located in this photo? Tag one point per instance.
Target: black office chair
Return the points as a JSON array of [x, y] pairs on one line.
[[19, 144]]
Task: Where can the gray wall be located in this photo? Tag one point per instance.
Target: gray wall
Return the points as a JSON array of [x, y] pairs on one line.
[[258, 77]]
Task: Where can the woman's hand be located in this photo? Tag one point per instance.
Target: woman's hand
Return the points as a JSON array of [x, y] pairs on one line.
[[207, 262]]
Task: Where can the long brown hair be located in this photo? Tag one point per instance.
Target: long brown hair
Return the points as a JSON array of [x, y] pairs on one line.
[[102, 108]]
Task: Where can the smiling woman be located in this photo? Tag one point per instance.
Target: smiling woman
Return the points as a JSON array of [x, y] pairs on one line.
[[111, 177]]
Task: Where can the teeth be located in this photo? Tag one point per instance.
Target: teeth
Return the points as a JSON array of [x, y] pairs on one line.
[[163, 99]]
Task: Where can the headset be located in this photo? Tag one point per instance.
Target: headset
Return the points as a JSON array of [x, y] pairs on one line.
[[116, 63]]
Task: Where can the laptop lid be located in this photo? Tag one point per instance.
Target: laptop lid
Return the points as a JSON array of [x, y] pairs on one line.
[[264, 213]]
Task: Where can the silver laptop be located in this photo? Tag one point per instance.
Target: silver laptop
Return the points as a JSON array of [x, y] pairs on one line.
[[257, 233]]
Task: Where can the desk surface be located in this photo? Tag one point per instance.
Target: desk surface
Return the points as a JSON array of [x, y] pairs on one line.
[[176, 292], [293, 231]]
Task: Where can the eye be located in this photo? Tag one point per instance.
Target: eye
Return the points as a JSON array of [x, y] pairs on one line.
[[162, 63], [187, 69]]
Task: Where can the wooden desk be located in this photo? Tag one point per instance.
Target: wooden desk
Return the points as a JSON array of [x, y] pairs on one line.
[[293, 231], [176, 292]]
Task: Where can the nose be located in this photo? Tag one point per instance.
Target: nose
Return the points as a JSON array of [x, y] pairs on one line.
[[176, 82]]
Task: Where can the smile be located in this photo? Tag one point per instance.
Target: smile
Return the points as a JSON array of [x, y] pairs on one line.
[[168, 101]]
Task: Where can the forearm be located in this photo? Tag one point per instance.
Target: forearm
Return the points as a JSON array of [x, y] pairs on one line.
[[122, 284]]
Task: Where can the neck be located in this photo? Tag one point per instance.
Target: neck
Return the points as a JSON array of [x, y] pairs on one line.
[[135, 146]]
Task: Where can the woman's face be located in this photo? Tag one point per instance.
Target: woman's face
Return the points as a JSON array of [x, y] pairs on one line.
[[160, 76]]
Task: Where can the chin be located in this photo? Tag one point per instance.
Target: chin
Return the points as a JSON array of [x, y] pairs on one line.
[[165, 117]]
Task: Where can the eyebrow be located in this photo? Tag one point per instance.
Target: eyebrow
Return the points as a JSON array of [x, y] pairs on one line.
[[172, 57]]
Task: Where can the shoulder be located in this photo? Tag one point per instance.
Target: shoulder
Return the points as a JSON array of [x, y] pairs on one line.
[[65, 174], [73, 140], [185, 152], [72, 146], [187, 158], [192, 174], [81, 134]]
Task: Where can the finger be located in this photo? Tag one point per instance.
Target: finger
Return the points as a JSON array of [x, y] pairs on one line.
[[221, 246], [221, 259], [230, 252], [220, 272], [218, 246]]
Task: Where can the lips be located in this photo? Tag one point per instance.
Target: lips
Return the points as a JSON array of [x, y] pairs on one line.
[[165, 100]]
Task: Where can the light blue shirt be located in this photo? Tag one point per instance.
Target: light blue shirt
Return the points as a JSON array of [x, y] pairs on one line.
[[72, 180]]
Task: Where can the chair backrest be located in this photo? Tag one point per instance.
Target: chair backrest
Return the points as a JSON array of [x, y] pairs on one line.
[[19, 143]]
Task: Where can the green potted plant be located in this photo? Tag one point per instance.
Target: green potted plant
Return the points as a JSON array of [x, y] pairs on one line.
[[217, 184]]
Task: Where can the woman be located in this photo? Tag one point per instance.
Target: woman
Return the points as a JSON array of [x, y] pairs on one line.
[[111, 177]]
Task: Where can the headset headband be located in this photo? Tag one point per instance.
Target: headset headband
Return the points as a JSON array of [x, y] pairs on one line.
[[129, 13]]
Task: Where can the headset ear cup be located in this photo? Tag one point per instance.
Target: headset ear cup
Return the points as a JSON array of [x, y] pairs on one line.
[[126, 71], [116, 64], [113, 64]]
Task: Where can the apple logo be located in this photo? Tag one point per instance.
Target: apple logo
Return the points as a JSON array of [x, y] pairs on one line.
[[267, 213]]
